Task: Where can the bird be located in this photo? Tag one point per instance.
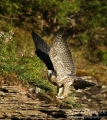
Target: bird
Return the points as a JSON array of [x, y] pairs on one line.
[[60, 64]]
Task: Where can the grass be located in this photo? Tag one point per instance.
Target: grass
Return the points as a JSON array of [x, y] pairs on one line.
[[17, 59]]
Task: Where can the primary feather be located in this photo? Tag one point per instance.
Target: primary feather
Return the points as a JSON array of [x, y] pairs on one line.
[[42, 50]]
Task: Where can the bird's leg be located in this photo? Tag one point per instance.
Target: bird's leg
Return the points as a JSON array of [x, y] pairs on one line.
[[63, 91], [59, 91], [66, 88]]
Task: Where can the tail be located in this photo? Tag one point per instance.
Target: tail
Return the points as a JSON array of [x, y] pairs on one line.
[[82, 84]]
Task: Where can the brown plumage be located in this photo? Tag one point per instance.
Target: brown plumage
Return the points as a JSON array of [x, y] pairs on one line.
[[61, 68]]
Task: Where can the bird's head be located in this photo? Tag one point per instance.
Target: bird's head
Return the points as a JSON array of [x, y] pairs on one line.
[[51, 74]]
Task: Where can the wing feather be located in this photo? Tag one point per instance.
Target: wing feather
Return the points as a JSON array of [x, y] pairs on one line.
[[61, 57], [42, 50], [40, 43]]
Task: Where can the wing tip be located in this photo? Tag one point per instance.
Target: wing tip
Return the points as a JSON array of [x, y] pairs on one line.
[[33, 32], [60, 31]]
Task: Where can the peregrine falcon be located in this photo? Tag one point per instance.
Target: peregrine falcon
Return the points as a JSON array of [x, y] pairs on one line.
[[60, 64]]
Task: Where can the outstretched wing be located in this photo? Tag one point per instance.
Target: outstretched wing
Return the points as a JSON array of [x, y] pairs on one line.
[[61, 57], [42, 50]]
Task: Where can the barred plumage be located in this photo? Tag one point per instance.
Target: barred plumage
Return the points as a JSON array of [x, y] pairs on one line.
[[61, 57], [60, 64]]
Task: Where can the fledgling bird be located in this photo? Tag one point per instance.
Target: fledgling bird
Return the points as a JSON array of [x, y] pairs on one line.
[[60, 64]]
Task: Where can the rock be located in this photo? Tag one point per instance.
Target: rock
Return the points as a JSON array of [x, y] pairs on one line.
[[17, 102], [35, 90]]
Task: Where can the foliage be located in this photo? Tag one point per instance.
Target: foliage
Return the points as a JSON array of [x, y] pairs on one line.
[[27, 68], [103, 56], [82, 38], [56, 9], [10, 7]]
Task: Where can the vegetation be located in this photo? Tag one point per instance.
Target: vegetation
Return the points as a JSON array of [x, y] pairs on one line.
[[27, 68], [84, 21]]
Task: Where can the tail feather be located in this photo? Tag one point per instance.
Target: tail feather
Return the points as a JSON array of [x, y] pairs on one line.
[[82, 84]]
